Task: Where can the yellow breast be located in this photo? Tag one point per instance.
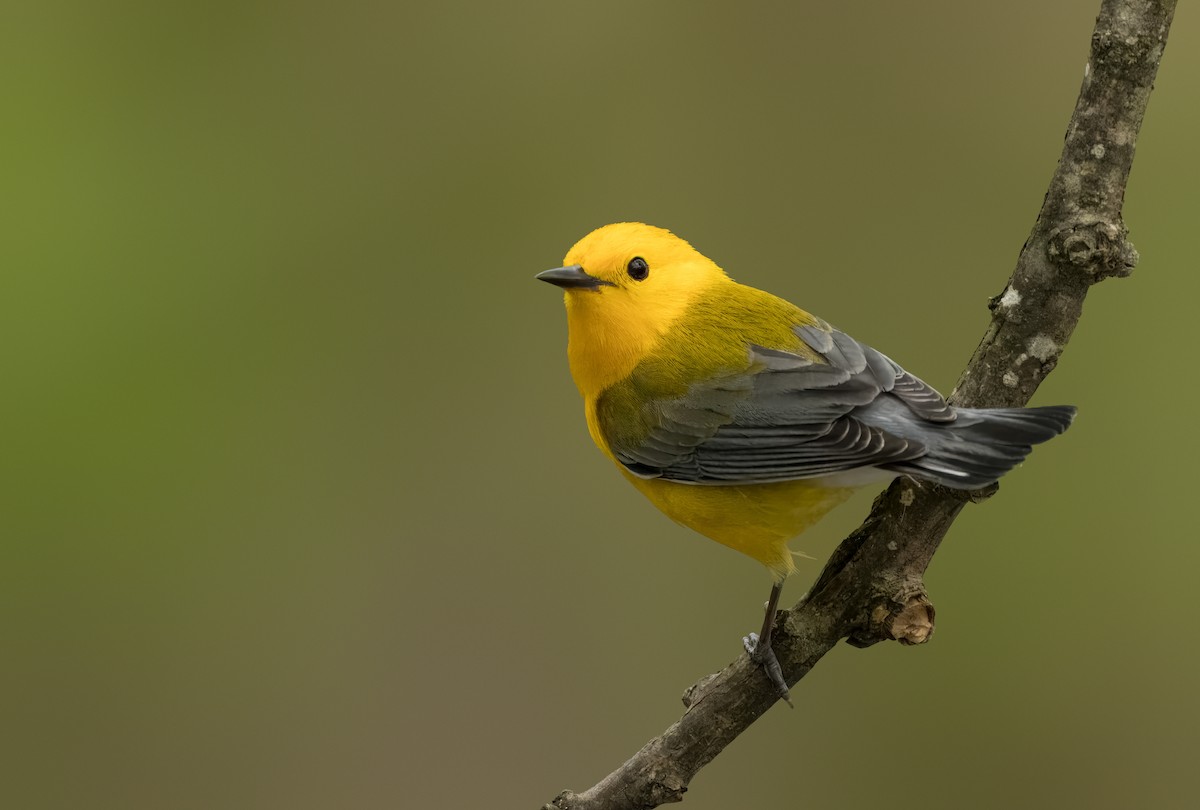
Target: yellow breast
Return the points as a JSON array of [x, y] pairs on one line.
[[756, 519]]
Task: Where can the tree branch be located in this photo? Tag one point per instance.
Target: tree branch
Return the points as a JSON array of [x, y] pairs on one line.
[[872, 587]]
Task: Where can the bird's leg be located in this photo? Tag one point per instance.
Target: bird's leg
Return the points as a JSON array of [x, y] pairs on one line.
[[759, 646]]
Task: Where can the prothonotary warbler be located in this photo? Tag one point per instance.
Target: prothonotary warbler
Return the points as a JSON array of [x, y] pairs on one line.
[[744, 417]]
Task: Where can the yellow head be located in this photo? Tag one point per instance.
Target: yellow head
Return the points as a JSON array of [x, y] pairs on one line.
[[625, 285]]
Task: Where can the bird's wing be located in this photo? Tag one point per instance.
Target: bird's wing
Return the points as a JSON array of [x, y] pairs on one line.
[[787, 417]]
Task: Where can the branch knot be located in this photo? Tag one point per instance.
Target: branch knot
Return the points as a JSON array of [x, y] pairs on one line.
[[1097, 246], [913, 623], [907, 617]]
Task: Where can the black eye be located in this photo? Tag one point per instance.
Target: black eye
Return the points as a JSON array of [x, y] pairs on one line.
[[638, 269]]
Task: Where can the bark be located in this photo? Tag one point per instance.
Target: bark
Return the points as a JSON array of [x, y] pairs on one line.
[[872, 587]]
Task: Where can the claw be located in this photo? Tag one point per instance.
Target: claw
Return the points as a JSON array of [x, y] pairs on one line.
[[764, 656], [759, 647], [750, 642]]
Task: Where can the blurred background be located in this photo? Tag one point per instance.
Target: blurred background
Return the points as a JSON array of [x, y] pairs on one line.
[[299, 508]]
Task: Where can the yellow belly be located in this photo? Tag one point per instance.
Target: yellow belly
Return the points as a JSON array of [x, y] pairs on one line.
[[755, 519]]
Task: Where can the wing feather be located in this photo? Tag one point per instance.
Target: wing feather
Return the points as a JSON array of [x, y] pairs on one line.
[[789, 416]]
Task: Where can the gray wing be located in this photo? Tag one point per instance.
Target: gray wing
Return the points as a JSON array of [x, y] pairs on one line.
[[787, 418]]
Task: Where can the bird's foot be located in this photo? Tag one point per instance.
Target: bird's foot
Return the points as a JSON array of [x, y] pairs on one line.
[[764, 656]]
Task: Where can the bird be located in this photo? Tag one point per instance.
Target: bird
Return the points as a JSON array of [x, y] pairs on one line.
[[747, 419]]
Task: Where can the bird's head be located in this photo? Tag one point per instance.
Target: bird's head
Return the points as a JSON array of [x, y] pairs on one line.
[[629, 266], [625, 285]]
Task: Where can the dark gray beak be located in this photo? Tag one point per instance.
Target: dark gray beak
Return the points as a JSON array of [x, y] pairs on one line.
[[572, 277]]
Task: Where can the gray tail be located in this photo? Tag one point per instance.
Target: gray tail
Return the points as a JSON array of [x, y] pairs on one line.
[[983, 444]]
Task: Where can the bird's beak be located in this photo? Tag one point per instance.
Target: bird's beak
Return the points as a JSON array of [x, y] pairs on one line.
[[572, 277]]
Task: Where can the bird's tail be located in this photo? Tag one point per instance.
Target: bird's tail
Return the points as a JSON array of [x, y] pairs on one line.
[[983, 444]]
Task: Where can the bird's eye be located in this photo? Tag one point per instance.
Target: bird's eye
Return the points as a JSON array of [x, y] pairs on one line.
[[637, 268]]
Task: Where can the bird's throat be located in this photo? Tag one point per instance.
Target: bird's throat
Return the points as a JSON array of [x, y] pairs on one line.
[[601, 355], [610, 333]]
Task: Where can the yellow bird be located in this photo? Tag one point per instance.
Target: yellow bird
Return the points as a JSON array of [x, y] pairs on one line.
[[746, 418]]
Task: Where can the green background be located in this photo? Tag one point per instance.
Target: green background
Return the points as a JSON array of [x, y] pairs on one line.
[[299, 510]]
